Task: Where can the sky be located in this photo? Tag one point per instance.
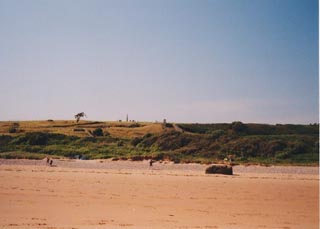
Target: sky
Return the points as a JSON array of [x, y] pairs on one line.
[[207, 61]]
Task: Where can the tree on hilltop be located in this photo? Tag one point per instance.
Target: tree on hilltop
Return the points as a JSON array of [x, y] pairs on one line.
[[79, 116]]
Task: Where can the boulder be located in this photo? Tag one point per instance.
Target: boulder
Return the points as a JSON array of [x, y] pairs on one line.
[[219, 169]]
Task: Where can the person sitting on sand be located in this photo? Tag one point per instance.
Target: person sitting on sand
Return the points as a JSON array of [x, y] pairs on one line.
[[151, 162], [51, 161]]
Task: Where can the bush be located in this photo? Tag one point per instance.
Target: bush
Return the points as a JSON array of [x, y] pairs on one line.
[[120, 143], [87, 140], [148, 135], [97, 132], [134, 125], [168, 125], [137, 158], [159, 156], [216, 133], [37, 138], [14, 128], [136, 141], [282, 155], [5, 139], [298, 148], [148, 140], [316, 147], [238, 127], [22, 155]]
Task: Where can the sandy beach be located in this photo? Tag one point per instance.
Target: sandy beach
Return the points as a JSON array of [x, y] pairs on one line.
[[78, 194]]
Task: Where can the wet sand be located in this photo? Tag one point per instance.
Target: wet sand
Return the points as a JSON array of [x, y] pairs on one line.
[[104, 194]]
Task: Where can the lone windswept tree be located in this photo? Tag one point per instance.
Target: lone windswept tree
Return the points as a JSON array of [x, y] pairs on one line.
[[79, 115]]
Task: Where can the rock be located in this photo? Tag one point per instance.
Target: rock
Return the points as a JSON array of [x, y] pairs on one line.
[[219, 169]]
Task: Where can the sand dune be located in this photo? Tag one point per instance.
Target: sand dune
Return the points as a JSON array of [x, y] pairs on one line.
[[104, 194]]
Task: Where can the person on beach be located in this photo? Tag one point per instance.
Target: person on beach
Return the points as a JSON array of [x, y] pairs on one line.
[[48, 160], [51, 161], [151, 162]]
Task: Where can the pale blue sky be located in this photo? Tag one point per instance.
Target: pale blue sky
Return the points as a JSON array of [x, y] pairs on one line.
[[186, 61]]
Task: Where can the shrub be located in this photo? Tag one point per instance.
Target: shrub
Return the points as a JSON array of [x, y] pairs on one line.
[[148, 140], [14, 128], [298, 148], [272, 147], [97, 132], [316, 147], [147, 135], [216, 133], [168, 125], [159, 156], [136, 141], [137, 158], [238, 127], [134, 125], [37, 138], [282, 155], [120, 143], [5, 139]]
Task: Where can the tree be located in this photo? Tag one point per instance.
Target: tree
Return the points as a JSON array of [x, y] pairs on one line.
[[79, 115]]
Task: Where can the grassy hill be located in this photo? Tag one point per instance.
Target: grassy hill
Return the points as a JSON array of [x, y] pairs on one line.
[[201, 143]]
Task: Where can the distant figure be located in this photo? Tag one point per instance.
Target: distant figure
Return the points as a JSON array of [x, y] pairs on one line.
[[228, 159], [151, 162], [51, 161], [48, 160]]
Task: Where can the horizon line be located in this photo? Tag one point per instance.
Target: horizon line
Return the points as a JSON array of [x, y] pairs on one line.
[[156, 121]]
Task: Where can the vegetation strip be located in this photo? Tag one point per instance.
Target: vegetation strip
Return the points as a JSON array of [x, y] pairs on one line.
[[236, 143]]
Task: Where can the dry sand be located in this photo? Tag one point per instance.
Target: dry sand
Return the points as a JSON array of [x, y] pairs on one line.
[[105, 194]]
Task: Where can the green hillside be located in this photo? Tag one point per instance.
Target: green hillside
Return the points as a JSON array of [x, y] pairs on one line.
[[201, 143]]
